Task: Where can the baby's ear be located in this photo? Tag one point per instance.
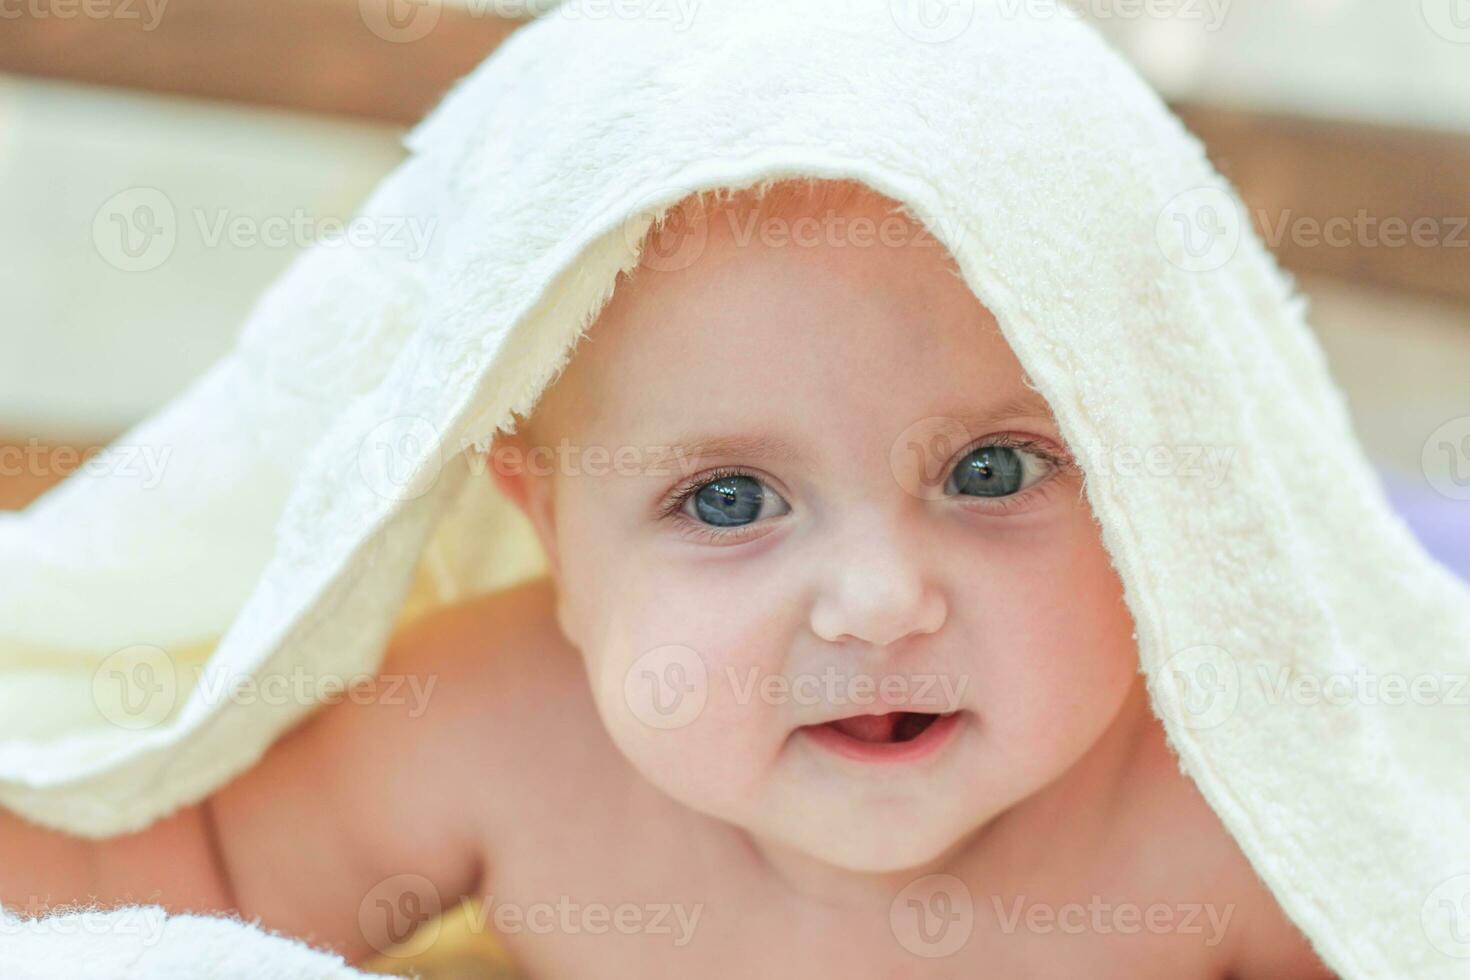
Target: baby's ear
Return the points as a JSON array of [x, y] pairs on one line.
[[507, 459], [513, 468]]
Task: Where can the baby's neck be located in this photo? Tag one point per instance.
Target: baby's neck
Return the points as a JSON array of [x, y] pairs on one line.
[[1059, 829]]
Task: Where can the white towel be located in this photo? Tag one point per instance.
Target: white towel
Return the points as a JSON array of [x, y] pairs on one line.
[[143, 941], [318, 488]]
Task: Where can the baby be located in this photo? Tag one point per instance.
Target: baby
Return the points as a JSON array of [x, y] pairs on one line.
[[835, 679]]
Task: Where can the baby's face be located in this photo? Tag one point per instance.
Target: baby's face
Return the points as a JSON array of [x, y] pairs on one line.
[[873, 611]]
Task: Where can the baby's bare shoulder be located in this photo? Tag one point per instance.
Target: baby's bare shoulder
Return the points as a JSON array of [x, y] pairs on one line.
[[492, 644], [515, 702], [1176, 820], [498, 662]]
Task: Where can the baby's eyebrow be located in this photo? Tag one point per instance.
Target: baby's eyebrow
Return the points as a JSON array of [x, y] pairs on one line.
[[1027, 405], [770, 447]]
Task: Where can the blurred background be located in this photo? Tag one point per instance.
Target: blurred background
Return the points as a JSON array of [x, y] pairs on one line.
[[162, 160]]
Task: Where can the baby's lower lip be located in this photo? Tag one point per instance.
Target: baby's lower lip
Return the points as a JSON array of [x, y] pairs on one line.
[[829, 737]]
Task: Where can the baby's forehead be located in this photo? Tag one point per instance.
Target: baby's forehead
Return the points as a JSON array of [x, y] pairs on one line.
[[812, 249], [806, 287]]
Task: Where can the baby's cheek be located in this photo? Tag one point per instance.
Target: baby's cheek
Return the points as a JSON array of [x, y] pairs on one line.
[[1069, 657], [687, 713], [1043, 713]]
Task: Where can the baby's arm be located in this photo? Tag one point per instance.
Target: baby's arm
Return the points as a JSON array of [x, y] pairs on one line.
[[42, 868], [360, 792]]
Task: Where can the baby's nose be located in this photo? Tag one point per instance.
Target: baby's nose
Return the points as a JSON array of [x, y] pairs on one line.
[[878, 591]]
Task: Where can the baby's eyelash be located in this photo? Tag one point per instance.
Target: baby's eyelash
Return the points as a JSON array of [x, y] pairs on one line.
[[1061, 460], [674, 502]]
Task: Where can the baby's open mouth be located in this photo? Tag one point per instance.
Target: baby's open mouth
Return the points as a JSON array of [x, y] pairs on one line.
[[898, 736], [896, 726]]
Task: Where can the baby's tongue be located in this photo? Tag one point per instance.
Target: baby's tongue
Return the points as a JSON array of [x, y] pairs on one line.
[[869, 728]]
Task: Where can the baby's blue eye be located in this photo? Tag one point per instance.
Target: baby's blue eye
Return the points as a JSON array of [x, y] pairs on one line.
[[992, 471], [732, 500]]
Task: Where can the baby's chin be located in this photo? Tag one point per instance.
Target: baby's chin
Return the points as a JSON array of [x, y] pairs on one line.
[[848, 831], [872, 825], [874, 842]]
